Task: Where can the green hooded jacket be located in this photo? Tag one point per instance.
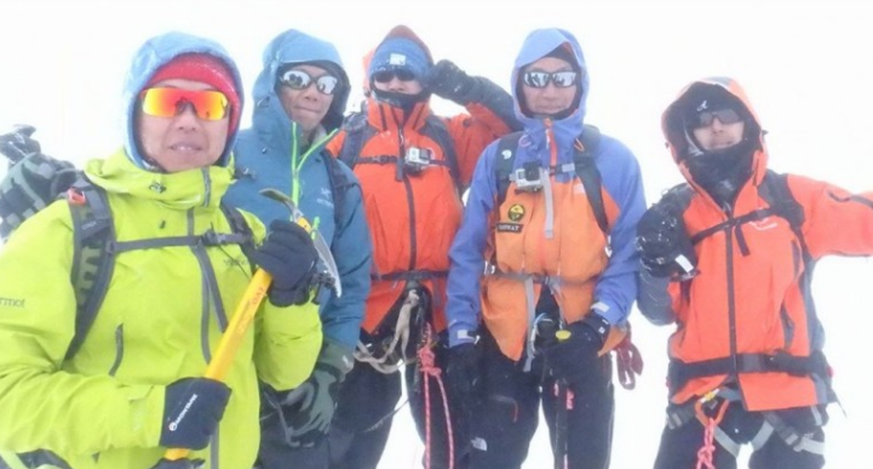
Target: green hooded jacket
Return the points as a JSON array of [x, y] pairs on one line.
[[161, 319]]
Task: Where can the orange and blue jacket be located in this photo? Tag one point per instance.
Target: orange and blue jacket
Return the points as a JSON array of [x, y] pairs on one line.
[[530, 239], [413, 217], [750, 307]]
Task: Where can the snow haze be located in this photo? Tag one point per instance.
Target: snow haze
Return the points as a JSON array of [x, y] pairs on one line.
[[805, 65]]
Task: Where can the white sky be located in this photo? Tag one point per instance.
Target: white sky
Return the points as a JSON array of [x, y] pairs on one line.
[[806, 66]]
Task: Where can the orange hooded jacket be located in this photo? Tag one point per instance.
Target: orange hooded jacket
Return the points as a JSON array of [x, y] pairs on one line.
[[413, 217], [751, 301]]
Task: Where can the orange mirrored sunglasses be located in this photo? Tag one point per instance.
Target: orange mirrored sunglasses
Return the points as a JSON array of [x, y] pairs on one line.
[[169, 102]]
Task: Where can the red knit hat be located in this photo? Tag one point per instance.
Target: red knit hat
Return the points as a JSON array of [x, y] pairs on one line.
[[207, 69]]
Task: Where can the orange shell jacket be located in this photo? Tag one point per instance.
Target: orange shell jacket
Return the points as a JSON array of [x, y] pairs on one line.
[[414, 219], [752, 294]]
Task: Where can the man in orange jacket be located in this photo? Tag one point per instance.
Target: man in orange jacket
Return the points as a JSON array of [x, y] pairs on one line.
[[728, 257], [413, 167]]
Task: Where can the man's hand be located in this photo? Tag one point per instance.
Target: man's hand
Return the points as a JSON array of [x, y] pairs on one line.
[[289, 255], [193, 408], [575, 351], [448, 81], [664, 246], [309, 408]]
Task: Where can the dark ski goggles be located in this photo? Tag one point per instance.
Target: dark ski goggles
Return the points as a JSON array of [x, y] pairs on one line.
[[542, 79], [385, 76], [209, 105], [725, 116], [300, 80]]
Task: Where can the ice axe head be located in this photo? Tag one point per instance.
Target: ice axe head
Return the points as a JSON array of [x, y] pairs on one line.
[[330, 276]]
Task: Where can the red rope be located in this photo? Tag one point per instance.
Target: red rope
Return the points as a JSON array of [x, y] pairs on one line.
[[427, 364], [705, 453]]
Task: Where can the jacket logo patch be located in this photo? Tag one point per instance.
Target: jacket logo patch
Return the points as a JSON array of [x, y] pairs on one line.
[[516, 212], [12, 302], [509, 227], [764, 224]]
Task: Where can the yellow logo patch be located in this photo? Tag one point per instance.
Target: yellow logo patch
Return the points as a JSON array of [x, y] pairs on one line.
[[516, 212]]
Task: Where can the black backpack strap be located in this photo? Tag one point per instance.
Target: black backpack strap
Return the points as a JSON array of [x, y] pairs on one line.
[[93, 263], [358, 131], [436, 129], [583, 159], [339, 186], [679, 372], [506, 148], [586, 170], [242, 232], [784, 203]]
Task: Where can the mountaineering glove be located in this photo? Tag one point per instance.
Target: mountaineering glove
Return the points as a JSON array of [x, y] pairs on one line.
[[576, 356], [193, 407], [664, 246], [17, 144], [33, 181], [289, 255], [448, 81], [462, 373], [309, 408]]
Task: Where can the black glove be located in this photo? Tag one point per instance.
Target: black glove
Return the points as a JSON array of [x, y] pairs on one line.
[[289, 255], [308, 409], [463, 372], [576, 356], [664, 246], [193, 407], [448, 81], [17, 144]]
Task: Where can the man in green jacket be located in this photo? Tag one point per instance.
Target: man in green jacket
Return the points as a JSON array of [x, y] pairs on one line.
[[134, 387]]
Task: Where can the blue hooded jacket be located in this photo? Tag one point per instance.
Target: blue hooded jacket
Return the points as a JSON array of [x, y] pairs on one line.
[[616, 287], [272, 154]]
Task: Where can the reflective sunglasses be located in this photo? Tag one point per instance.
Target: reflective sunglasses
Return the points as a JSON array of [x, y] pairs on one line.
[[542, 79], [385, 76], [300, 80], [209, 105], [725, 116]]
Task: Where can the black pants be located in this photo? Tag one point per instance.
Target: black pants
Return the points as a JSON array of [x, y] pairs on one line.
[[505, 420], [679, 446], [363, 417]]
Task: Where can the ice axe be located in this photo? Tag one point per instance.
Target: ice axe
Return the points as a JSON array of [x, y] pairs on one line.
[[332, 278], [177, 458]]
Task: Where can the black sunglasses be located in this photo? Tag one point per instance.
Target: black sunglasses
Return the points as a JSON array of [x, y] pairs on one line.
[[725, 116], [300, 80], [385, 76], [542, 79]]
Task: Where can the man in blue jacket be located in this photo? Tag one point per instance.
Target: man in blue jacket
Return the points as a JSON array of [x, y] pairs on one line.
[[299, 97], [551, 215]]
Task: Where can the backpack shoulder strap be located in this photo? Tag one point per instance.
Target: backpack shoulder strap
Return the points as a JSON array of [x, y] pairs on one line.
[[586, 170], [339, 186], [93, 257], [358, 131], [784, 204], [506, 148], [436, 129], [240, 228]]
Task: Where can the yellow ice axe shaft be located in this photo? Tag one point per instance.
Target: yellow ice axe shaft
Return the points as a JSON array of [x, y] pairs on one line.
[[232, 338]]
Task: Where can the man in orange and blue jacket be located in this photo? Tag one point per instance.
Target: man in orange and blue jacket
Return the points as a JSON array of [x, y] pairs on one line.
[[548, 259]]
